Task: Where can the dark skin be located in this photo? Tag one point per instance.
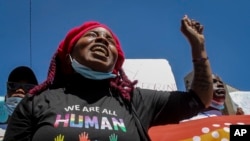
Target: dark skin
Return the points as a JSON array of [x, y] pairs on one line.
[[202, 81], [219, 89], [96, 49]]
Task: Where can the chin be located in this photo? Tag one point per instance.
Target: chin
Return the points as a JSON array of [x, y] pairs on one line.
[[101, 64]]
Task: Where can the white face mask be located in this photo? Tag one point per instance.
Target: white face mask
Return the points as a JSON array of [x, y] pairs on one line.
[[89, 73]]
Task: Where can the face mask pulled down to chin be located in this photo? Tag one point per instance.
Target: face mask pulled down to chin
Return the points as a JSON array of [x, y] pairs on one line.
[[89, 73]]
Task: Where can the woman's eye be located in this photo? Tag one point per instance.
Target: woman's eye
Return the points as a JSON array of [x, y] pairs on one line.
[[91, 34], [110, 39]]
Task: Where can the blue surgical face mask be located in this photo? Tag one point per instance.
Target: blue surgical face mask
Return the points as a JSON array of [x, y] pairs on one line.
[[89, 73], [11, 103]]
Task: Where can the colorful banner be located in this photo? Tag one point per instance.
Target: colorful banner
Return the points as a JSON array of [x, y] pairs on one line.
[[205, 129]]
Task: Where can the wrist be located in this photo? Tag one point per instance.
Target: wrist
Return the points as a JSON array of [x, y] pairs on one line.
[[201, 59]]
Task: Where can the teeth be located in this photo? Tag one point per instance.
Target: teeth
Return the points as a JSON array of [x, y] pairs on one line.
[[100, 53], [100, 50]]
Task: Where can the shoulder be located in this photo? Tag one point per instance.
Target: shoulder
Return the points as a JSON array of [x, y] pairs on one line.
[[47, 96], [47, 93]]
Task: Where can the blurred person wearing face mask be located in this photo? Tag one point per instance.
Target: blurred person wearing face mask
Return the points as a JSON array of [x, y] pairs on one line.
[[20, 81]]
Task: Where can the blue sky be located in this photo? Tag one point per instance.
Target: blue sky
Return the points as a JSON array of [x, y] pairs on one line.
[[146, 29]]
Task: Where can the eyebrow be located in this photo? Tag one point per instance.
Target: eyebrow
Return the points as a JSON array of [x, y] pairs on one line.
[[108, 34]]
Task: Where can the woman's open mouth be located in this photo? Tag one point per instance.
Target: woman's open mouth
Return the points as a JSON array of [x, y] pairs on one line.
[[100, 49]]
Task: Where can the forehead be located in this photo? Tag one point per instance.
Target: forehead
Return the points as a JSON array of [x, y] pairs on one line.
[[216, 77], [100, 30]]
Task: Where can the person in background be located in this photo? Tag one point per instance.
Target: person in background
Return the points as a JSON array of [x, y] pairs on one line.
[[20, 80], [219, 95], [217, 106], [88, 97]]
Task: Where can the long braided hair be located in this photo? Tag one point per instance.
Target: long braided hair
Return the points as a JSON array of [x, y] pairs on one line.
[[59, 68]]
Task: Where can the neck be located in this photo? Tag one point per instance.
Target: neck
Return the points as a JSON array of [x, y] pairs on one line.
[[79, 85]]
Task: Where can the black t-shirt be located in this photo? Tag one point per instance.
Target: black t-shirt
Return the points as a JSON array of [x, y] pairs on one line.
[[58, 115]]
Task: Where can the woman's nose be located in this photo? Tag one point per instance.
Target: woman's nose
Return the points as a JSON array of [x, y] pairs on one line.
[[103, 40], [221, 85]]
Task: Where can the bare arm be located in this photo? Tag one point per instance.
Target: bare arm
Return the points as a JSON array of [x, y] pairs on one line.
[[202, 81]]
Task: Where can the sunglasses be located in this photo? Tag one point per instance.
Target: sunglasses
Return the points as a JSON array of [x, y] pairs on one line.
[[13, 86]]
